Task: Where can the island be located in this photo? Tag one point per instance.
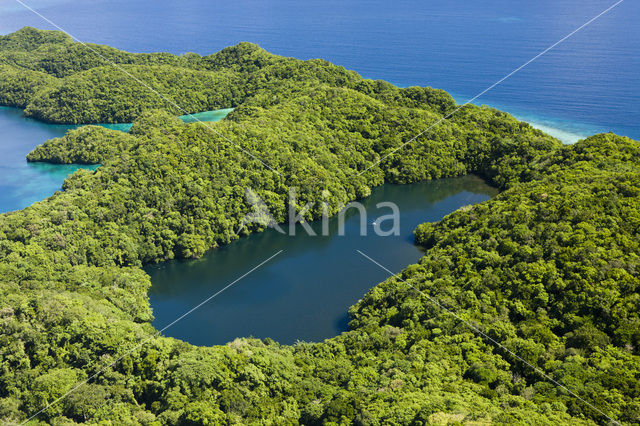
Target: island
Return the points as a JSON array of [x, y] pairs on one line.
[[542, 280]]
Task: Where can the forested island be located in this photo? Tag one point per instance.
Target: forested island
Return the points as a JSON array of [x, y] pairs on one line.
[[549, 268]]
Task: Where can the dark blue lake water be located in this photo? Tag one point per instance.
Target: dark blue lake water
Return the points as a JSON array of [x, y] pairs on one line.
[[588, 84], [305, 292]]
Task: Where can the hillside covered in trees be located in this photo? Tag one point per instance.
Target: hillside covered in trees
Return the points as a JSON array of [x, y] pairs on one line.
[[549, 268]]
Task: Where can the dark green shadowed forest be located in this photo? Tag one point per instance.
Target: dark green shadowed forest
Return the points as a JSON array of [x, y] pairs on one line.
[[549, 268]]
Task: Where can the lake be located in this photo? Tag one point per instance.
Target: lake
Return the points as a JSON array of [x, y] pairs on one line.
[[303, 293]]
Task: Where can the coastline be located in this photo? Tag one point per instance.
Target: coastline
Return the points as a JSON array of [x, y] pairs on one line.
[[565, 136], [24, 183], [565, 130]]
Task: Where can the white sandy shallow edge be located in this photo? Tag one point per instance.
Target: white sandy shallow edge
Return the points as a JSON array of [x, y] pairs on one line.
[[565, 136]]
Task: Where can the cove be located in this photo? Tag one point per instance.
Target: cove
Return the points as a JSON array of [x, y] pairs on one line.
[[215, 115], [23, 183], [305, 292]]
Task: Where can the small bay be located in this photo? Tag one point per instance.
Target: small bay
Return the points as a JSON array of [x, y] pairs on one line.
[[23, 183]]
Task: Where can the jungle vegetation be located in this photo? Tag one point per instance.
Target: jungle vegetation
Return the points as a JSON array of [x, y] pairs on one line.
[[549, 268]]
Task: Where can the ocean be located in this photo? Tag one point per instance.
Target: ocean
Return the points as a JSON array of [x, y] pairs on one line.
[[590, 83]]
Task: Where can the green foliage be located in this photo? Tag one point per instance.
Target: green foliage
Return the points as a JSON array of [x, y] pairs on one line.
[[86, 145], [549, 268], [59, 81]]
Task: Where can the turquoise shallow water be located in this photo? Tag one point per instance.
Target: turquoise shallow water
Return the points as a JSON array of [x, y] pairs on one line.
[[23, 183], [215, 115], [566, 131]]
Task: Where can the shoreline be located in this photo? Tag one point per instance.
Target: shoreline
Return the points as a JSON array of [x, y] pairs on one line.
[[565, 130], [568, 132]]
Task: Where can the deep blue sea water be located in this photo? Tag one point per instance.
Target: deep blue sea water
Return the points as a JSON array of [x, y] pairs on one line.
[[588, 84]]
